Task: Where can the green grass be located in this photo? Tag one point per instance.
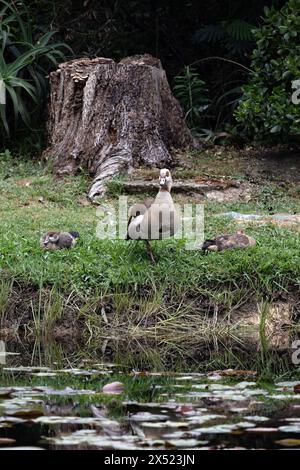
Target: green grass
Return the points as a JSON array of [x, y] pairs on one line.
[[32, 202], [170, 303]]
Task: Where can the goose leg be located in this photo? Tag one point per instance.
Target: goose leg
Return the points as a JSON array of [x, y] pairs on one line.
[[149, 252]]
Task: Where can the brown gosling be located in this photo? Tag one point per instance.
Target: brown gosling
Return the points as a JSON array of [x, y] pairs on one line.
[[237, 240]]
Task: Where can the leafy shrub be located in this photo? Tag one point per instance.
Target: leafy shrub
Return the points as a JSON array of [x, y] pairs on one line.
[[190, 91], [25, 59], [266, 111], [235, 35]]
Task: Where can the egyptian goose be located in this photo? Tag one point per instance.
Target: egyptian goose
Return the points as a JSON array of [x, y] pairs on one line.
[[238, 239], [158, 220], [58, 240]]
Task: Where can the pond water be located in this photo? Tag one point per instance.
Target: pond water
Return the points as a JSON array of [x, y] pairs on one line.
[[56, 401]]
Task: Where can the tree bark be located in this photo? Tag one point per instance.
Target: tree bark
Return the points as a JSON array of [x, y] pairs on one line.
[[110, 117]]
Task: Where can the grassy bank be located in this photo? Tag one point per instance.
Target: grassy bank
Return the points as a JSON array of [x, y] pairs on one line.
[[117, 275]]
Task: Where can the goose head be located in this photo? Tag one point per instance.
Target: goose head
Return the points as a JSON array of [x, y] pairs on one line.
[[49, 241], [165, 180], [51, 237]]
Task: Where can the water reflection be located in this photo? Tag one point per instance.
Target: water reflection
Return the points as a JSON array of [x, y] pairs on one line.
[[253, 351], [219, 395]]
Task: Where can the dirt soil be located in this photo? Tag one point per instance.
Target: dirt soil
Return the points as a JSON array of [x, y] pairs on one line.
[[280, 163]]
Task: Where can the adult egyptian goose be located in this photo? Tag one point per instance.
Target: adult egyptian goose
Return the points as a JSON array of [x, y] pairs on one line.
[[157, 221]]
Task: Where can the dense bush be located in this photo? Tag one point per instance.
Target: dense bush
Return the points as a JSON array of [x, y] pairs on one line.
[[190, 90], [267, 111], [27, 53], [214, 37]]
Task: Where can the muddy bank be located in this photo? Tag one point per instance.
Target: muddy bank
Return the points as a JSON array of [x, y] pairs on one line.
[[191, 326]]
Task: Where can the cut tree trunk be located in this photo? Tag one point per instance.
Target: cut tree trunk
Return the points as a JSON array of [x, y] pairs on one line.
[[109, 117], [140, 186]]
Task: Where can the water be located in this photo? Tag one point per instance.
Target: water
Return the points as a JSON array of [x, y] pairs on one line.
[[51, 398]]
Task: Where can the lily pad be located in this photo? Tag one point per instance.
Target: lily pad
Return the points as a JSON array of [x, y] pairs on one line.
[[262, 430], [256, 419], [4, 441], [6, 392], [184, 443], [290, 428], [289, 442], [150, 417], [68, 420], [114, 388], [22, 448]]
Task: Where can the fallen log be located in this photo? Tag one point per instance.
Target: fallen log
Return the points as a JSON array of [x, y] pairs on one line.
[[138, 186]]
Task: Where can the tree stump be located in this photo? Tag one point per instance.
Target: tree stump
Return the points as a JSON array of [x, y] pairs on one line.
[[109, 117]]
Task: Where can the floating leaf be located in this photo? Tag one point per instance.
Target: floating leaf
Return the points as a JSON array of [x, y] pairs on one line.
[[26, 414], [290, 428], [92, 438], [204, 418], [22, 448], [284, 397], [150, 417], [9, 420], [6, 392], [184, 409], [244, 385], [44, 374], [289, 442], [262, 430], [294, 420], [256, 418], [66, 420], [218, 429], [289, 384], [184, 443], [114, 388], [297, 388], [4, 441], [236, 372]]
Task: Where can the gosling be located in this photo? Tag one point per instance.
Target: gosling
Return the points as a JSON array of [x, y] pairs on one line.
[[58, 240], [237, 240]]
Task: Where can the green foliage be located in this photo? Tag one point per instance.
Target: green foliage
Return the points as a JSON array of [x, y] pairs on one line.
[[190, 90], [267, 111], [25, 58], [228, 44], [236, 35]]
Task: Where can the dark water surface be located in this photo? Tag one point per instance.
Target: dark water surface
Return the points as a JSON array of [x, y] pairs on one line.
[[51, 398]]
